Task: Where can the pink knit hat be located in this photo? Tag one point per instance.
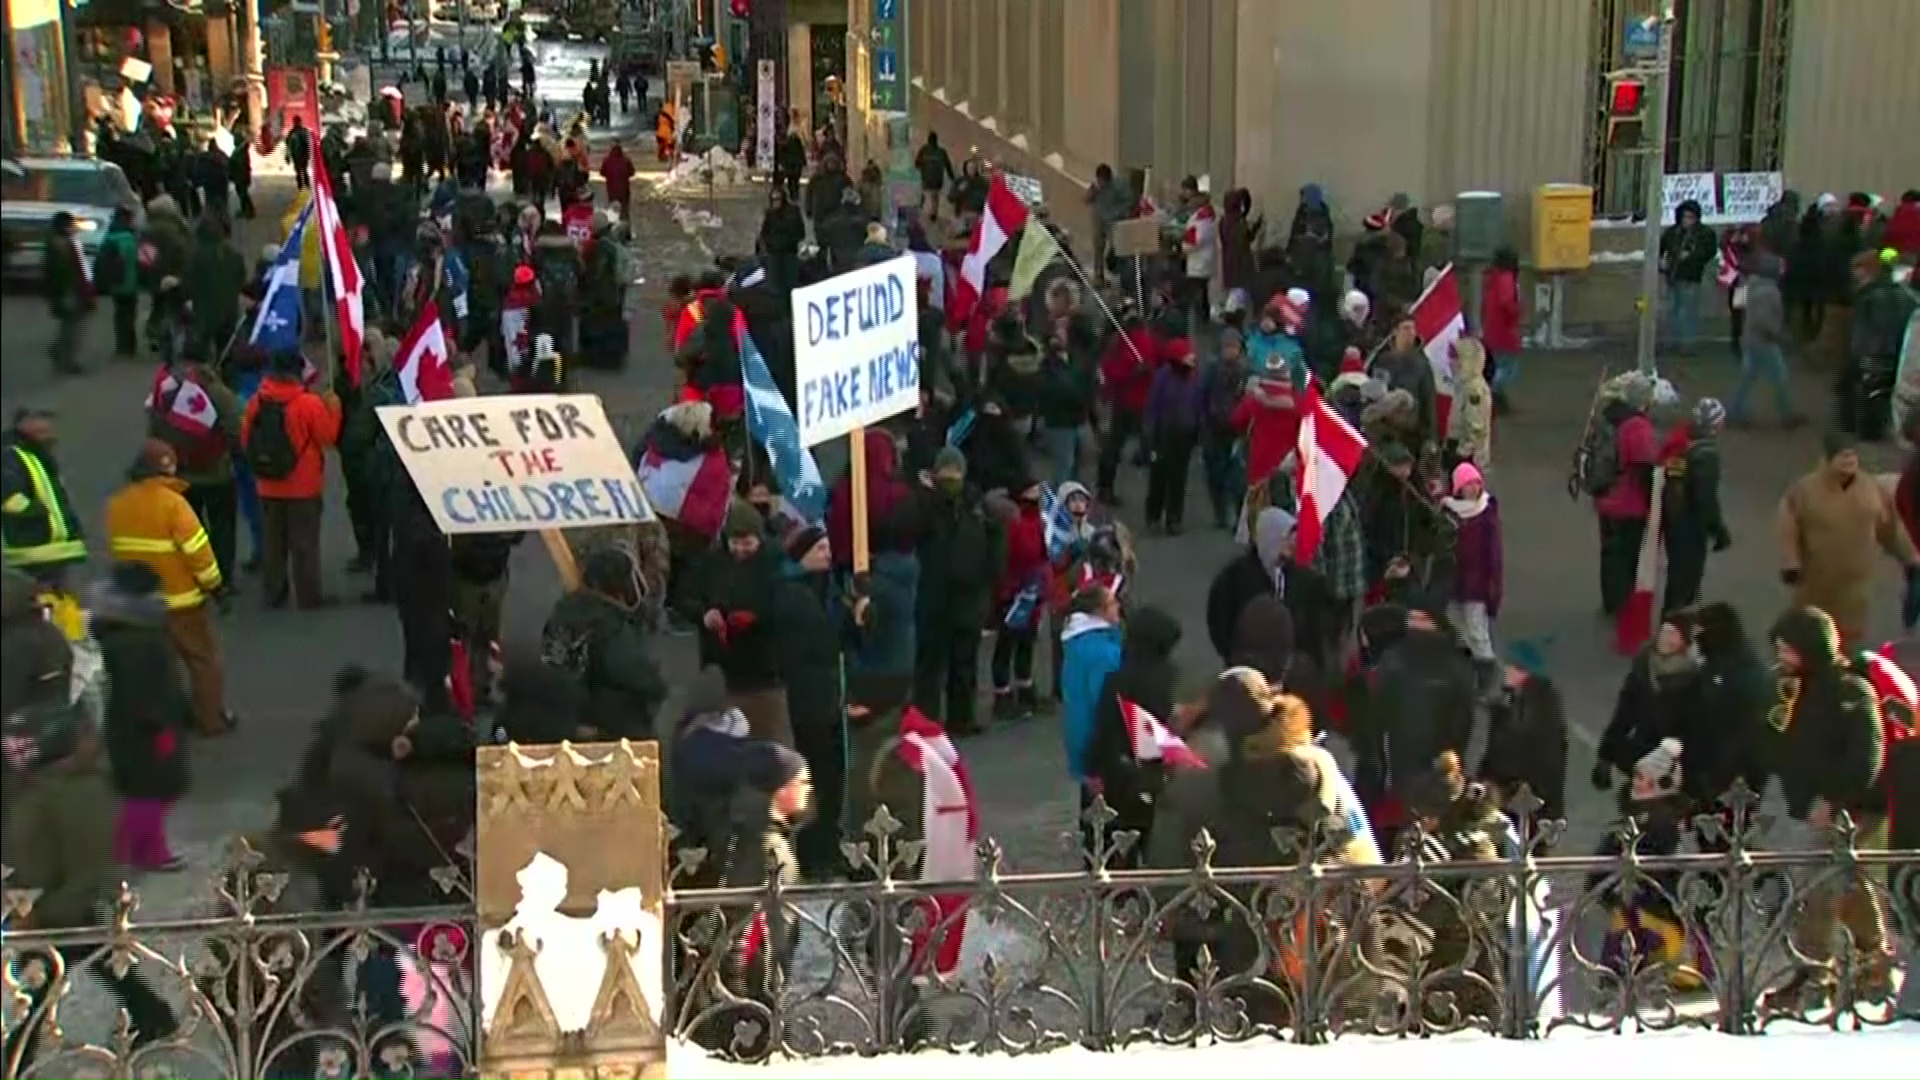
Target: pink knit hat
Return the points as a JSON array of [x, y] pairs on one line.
[[1464, 474]]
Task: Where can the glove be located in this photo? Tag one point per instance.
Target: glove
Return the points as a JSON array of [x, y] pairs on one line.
[[739, 622], [1602, 776], [1722, 542], [1790, 577]]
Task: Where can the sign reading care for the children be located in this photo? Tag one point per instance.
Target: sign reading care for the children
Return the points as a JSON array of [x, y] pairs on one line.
[[856, 349], [515, 462]]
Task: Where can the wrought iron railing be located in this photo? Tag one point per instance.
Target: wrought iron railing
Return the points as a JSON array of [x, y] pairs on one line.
[[1733, 939]]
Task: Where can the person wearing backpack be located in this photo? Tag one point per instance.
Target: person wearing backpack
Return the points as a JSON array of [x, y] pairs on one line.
[[1619, 476], [285, 434], [204, 451], [116, 276]]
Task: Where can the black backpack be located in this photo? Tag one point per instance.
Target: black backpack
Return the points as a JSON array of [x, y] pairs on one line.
[[1596, 464], [270, 450]]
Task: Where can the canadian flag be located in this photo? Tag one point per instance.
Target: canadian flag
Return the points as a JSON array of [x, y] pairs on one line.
[[342, 269], [1330, 452], [1154, 741], [191, 411], [424, 362], [1006, 215], [1633, 626], [1439, 319]]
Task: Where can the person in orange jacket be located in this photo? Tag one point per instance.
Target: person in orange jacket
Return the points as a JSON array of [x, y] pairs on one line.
[[285, 434]]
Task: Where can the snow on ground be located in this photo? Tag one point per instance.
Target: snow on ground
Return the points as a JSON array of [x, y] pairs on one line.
[[1872, 1054]]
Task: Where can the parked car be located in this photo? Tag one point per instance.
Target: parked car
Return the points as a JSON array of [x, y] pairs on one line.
[[33, 189]]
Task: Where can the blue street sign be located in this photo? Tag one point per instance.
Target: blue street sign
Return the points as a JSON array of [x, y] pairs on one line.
[[1641, 41], [886, 65], [886, 10]]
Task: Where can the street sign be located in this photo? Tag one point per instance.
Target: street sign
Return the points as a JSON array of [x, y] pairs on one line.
[[886, 10], [886, 65], [1641, 43]]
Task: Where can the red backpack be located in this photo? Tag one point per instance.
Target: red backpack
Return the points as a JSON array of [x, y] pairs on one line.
[[1899, 701]]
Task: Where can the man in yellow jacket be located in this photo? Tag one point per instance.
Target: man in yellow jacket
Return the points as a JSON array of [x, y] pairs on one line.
[[150, 522]]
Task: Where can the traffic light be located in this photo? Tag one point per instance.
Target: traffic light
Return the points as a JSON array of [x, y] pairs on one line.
[[1626, 111]]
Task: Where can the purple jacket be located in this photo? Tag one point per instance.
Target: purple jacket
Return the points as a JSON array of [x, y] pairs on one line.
[[1177, 400], [1479, 572]]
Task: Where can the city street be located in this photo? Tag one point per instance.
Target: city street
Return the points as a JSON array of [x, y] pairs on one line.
[[280, 663]]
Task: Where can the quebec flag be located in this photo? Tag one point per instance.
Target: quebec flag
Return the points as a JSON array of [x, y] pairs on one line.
[[770, 423], [276, 329]]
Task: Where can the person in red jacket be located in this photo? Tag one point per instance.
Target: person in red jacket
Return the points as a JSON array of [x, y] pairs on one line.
[[1903, 228], [1268, 417], [617, 170], [285, 434], [1126, 375], [1019, 601], [1500, 324]]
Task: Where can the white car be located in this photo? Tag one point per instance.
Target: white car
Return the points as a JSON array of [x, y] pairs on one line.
[[33, 189]]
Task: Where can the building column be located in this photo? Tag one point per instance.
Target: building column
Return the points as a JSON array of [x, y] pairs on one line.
[[252, 67], [160, 55]]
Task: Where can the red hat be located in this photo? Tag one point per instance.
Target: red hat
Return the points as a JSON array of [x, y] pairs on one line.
[[523, 275], [1352, 363]]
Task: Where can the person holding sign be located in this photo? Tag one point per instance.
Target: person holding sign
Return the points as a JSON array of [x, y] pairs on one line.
[[734, 590]]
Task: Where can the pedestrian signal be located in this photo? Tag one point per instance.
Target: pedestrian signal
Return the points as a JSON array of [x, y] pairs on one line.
[[1626, 112]]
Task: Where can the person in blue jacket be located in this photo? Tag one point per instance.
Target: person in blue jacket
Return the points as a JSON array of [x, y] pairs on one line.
[[1089, 652]]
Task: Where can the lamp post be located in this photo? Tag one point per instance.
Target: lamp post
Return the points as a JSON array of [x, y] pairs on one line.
[[1659, 82]]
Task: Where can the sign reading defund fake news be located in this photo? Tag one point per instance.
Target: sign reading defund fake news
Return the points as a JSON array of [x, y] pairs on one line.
[[856, 353], [508, 463]]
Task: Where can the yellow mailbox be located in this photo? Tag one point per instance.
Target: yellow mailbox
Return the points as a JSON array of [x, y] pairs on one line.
[[1562, 227]]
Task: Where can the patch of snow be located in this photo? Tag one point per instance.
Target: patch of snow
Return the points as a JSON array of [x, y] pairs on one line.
[[1055, 161], [940, 93], [964, 108], [693, 171], [918, 82], [990, 124], [1019, 139], [1875, 1054]]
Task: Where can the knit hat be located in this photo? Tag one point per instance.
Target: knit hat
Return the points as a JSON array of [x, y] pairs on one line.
[[1356, 306], [1464, 474], [1836, 442], [1352, 362], [770, 766], [801, 540], [1659, 769], [1708, 413], [1392, 452], [949, 459], [878, 692], [1528, 656], [523, 274], [156, 456], [742, 521]]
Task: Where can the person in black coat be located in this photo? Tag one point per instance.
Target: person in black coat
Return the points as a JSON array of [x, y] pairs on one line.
[[148, 712], [1660, 692], [1145, 677], [1263, 640], [996, 451], [1421, 698], [1725, 736], [1268, 568], [782, 231], [1527, 735], [962, 552], [735, 593], [423, 596], [815, 623]]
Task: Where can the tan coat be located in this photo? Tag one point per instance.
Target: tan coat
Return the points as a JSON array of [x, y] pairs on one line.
[[1831, 535]]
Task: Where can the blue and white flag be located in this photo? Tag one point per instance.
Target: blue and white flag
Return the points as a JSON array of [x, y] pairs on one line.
[[459, 283], [276, 327], [1061, 535], [770, 423]]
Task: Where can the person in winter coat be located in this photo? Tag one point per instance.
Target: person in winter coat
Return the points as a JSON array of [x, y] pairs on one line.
[[1624, 506], [1479, 581], [1126, 377], [1222, 385], [1831, 525], [1726, 737], [782, 231], [1268, 417], [1828, 746], [1764, 337], [1658, 694], [285, 433], [1691, 521], [936, 172], [36, 659], [1501, 315], [1403, 365], [1470, 419], [595, 634], [1408, 539], [1090, 651], [1263, 640], [1066, 397], [148, 714], [1268, 568], [1420, 700], [994, 443], [1129, 780], [603, 326], [1527, 735], [1462, 821], [480, 563], [1646, 932], [739, 625], [819, 622], [1019, 600], [1176, 408], [1882, 309], [1687, 248], [70, 292], [422, 596], [962, 552], [204, 454], [116, 276]]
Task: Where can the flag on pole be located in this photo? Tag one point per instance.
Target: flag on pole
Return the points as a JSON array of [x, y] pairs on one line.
[[1060, 534], [1152, 740], [1006, 216], [770, 423], [424, 363], [1036, 252], [1330, 454], [276, 327], [1633, 626], [1440, 320], [342, 271]]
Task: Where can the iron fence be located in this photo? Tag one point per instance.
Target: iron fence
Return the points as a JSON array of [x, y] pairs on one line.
[[1730, 938]]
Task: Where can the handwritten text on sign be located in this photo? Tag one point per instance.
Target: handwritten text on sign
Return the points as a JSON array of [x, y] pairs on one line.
[[856, 349], [503, 464]]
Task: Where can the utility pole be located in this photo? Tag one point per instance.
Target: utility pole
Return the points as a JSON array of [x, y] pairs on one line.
[[1659, 81]]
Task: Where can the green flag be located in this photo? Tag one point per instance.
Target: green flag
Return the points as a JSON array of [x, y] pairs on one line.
[[1037, 249]]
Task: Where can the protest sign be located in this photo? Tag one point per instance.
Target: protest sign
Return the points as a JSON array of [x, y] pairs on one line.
[[856, 349], [1676, 188], [1026, 187], [1747, 196], [510, 463]]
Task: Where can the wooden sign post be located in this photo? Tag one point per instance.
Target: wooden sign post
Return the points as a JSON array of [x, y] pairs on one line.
[[857, 470]]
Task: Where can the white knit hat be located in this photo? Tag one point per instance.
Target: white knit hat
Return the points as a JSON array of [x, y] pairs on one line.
[[1658, 773]]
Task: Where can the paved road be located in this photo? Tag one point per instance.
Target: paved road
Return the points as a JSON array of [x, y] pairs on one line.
[[280, 663]]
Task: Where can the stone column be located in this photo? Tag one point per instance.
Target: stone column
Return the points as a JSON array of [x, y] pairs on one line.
[[160, 54]]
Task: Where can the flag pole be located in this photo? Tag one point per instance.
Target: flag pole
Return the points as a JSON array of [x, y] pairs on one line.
[[857, 471]]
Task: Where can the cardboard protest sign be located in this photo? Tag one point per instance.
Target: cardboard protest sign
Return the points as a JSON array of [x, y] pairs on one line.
[[856, 349], [519, 462]]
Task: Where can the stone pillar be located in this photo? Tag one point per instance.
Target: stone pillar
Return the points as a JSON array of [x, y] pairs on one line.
[[570, 868], [160, 55], [252, 67], [220, 65]]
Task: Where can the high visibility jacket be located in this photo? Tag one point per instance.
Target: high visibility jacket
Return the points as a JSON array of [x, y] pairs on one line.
[[149, 521], [38, 528]]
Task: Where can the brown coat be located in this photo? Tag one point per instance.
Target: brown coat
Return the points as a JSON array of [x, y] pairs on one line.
[[1829, 534]]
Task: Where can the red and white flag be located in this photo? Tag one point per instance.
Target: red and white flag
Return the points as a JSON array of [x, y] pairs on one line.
[[1891, 683], [1440, 320], [191, 411], [342, 270], [951, 828], [1633, 626], [424, 363], [1154, 741], [1330, 453], [1006, 215], [694, 491]]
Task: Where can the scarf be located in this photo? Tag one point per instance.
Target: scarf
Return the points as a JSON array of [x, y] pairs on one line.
[[950, 824], [1467, 509]]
